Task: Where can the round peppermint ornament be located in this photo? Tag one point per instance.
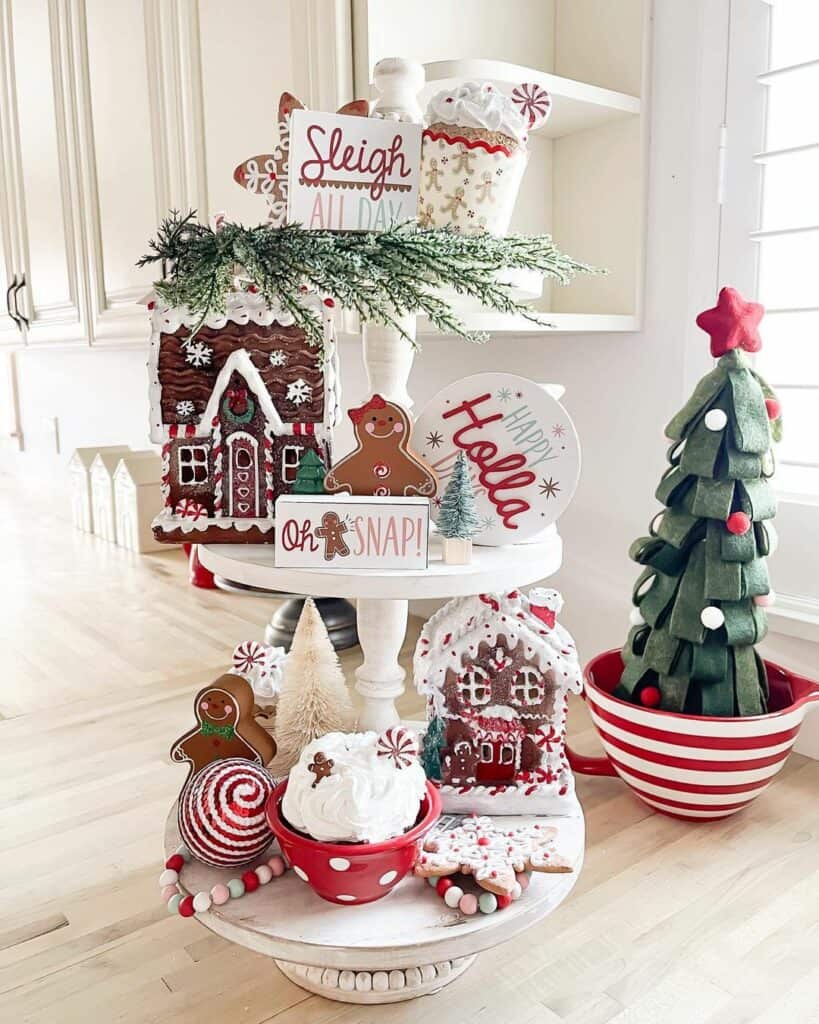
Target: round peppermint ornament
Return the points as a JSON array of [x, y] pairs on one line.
[[521, 448], [221, 812]]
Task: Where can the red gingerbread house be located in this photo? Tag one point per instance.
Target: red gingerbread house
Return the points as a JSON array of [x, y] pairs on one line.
[[235, 408], [496, 670]]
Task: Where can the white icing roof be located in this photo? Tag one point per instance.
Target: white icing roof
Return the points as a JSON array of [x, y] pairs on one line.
[[241, 362], [241, 307], [454, 633]]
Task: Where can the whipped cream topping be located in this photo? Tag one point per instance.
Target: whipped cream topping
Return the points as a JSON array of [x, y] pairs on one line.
[[478, 105], [363, 798]]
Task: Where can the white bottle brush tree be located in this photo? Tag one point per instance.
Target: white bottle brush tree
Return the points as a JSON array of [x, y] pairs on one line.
[[314, 698], [458, 519]]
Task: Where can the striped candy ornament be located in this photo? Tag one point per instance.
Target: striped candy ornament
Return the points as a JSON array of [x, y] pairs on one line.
[[221, 812], [687, 766]]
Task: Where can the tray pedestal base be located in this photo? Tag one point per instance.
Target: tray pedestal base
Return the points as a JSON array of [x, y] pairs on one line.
[[380, 985]]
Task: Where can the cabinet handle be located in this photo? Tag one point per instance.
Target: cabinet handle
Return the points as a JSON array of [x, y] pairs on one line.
[[21, 318], [14, 316]]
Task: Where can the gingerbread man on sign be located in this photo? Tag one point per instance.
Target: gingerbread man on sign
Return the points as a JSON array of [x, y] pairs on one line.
[[332, 532]]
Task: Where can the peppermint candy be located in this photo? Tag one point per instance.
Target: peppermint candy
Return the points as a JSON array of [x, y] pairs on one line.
[[221, 812], [534, 103], [261, 665], [190, 509], [398, 743]]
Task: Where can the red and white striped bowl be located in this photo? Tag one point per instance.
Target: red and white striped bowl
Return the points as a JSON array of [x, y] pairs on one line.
[[688, 766]]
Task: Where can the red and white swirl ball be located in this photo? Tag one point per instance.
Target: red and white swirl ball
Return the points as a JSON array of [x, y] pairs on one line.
[[221, 812], [398, 743]]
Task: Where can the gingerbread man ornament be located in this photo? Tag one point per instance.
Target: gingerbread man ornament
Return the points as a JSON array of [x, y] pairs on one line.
[[225, 727], [382, 463]]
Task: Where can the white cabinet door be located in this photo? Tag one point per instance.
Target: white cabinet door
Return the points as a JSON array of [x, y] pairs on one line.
[[41, 178]]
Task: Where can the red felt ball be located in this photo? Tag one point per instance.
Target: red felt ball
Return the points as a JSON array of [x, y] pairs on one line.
[[442, 885], [251, 880], [774, 408], [738, 523], [186, 907], [176, 862], [503, 902], [650, 696]]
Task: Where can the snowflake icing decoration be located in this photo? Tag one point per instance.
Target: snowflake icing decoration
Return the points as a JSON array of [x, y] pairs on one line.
[[277, 357], [185, 409], [299, 391], [198, 354]]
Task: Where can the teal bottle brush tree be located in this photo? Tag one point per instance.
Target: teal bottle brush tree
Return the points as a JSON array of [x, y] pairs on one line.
[[458, 519], [699, 604]]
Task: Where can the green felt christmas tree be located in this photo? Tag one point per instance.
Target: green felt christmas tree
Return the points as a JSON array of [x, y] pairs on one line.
[[431, 748], [699, 602], [310, 474]]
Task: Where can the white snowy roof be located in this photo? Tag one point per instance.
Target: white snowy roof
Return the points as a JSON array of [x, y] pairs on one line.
[[241, 362], [85, 456], [141, 467], [454, 633], [241, 307]]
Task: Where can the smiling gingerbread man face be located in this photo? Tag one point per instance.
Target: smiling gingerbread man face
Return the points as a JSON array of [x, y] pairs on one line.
[[217, 707], [384, 424]]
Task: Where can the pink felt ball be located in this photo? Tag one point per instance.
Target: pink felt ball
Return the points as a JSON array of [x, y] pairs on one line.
[[277, 865], [765, 600], [468, 904], [523, 880], [220, 894], [264, 873], [738, 523], [773, 408], [167, 892]]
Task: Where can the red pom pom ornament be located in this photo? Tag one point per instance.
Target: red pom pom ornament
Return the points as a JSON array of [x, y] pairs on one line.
[[650, 696], [175, 863], [738, 523], [251, 880], [186, 907]]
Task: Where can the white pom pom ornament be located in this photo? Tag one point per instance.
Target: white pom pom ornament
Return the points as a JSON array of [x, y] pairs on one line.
[[712, 617], [636, 617], [715, 419]]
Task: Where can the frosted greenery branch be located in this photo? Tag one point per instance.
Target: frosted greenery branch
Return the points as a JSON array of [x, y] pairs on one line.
[[381, 276]]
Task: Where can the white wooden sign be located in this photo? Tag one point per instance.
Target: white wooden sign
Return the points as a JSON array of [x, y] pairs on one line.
[[345, 532], [521, 448], [352, 173]]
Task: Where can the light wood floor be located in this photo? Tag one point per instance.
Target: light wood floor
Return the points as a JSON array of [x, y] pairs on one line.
[[101, 652]]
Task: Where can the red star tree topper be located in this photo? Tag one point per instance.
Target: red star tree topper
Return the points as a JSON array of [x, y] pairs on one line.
[[732, 323]]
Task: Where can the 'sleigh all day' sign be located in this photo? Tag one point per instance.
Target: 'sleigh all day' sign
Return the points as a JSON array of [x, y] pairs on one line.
[[352, 173], [344, 532]]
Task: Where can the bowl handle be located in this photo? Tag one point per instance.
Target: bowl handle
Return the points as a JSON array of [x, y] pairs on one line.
[[588, 764], [811, 694]]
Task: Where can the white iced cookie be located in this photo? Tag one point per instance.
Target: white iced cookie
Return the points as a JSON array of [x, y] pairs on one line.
[[356, 787], [478, 105]]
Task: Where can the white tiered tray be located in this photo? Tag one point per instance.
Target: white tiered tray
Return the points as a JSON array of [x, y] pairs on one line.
[[405, 945], [383, 598]]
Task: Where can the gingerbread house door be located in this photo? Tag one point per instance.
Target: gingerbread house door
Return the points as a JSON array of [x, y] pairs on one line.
[[243, 476], [498, 757]]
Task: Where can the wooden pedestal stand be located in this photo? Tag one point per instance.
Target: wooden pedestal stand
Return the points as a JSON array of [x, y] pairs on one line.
[[406, 945]]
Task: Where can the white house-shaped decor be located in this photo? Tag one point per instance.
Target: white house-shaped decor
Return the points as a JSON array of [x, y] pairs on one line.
[[137, 491], [102, 491], [79, 472]]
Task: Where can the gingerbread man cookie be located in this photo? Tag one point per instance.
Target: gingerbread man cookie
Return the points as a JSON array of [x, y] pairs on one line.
[[225, 727], [491, 854], [382, 463], [332, 532]]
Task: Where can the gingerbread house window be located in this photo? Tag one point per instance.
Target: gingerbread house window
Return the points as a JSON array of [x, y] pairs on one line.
[[291, 457], [487, 753], [476, 688], [527, 688], [193, 464]]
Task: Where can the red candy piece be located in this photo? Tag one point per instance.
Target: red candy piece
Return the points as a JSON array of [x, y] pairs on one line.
[[186, 907], [738, 523], [442, 885], [251, 880], [483, 841], [175, 862], [774, 408], [650, 696], [503, 901]]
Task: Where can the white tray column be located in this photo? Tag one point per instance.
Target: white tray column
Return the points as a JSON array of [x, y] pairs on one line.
[[382, 626]]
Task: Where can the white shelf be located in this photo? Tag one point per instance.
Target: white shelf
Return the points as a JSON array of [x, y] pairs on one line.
[[559, 323], [576, 106]]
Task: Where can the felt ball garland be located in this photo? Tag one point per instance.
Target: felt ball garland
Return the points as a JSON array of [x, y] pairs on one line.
[[470, 903], [189, 904]]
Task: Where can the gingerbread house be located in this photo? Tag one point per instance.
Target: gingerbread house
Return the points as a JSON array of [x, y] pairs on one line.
[[496, 670], [235, 407]]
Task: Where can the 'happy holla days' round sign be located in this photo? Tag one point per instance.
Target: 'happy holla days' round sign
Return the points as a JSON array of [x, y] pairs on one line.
[[521, 447]]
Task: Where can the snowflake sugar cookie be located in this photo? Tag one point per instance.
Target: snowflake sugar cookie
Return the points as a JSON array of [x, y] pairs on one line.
[[492, 854]]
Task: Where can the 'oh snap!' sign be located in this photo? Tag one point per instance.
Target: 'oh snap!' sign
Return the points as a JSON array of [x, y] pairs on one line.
[[352, 173], [344, 532]]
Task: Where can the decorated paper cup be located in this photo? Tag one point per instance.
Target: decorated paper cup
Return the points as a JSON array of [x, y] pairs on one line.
[[352, 873], [472, 160]]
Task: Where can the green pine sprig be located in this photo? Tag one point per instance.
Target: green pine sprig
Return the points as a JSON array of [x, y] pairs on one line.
[[382, 276]]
